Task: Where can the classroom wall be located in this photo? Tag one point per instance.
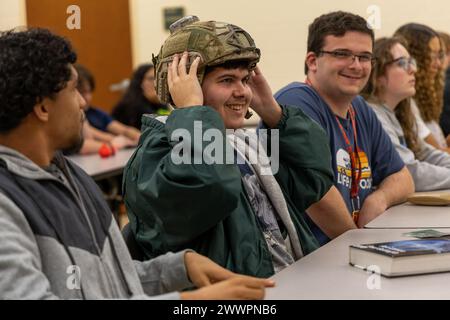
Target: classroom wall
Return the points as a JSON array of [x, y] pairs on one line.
[[278, 27], [12, 14]]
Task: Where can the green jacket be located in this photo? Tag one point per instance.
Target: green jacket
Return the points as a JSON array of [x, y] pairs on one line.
[[205, 207]]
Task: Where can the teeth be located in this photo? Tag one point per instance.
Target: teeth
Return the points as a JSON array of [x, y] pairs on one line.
[[235, 107]]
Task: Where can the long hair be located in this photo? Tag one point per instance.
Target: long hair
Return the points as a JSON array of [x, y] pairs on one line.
[[429, 89], [373, 90], [134, 96]]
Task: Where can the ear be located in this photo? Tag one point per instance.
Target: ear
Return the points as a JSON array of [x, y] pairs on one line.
[[41, 109], [311, 61]]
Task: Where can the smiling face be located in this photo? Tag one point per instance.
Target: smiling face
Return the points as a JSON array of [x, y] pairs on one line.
[[398, 82], [228, 92], [339, 78]]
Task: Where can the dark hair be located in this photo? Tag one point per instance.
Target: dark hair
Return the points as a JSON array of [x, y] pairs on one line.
[[231, 64], [372, 91], [337, 24], [84, 76], [429, 89], [134, 94], [133, 103], [34, 64]]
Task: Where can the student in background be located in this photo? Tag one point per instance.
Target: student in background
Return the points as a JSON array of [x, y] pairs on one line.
[[445, 115], [94, 140], [389, 91], [96, 117], [59, 240], [139, 98], [424, 45], [368, 171]]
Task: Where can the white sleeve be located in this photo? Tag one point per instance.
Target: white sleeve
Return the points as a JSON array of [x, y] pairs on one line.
[[422, 129]]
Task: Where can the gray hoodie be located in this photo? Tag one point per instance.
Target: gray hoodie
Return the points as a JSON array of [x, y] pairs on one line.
[[36, 265], [430, 169]]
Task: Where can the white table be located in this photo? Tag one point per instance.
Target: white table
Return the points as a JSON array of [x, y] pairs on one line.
[[326, 274], [412, 216], [99, 168]]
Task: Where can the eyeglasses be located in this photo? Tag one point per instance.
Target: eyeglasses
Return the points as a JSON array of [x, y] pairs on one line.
[[405, 63], [437, 56], [349, 57]]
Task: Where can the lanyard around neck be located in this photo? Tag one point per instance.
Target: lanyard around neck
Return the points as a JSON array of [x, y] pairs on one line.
[[355, 161]]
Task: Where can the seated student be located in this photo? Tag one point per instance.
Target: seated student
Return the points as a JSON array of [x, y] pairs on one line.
[[94, 140], [444, 121], [242, 215], [58, 236], [424, 45], [390, 87], [140, 98], [368, 171], [96, 117]]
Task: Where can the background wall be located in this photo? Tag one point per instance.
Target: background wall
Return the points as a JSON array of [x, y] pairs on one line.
[[278, 27], [12, 14]]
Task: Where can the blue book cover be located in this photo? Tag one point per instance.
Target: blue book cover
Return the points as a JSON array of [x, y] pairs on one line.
[[408, 247]]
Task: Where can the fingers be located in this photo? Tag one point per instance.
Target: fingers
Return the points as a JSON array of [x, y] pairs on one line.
[[244, 287], [182, 65], [255, 283], [172, 70], [251, 294], [194, 67], [178, 67], [219, 273]]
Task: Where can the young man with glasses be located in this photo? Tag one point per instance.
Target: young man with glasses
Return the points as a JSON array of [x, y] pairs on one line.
[[368, 171]]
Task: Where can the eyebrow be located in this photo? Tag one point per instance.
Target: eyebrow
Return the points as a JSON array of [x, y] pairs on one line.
[[348, 50], [231, 75]]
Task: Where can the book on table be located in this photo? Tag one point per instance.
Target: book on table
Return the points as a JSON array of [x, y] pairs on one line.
[[433, 198], [401, 258]]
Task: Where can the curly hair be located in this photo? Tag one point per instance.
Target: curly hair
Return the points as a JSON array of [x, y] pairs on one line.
[[34, 64], [429, 89], [336, 24], [445, 38], [373, 90]]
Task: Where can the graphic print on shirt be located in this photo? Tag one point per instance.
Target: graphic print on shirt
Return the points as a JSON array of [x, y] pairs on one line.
[[344, 170]]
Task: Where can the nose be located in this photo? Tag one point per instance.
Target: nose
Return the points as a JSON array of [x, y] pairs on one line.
[[239, 89], [355, 64], [81, 101]]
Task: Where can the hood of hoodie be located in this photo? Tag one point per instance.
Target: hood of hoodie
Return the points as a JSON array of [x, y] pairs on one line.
[[22, 166]]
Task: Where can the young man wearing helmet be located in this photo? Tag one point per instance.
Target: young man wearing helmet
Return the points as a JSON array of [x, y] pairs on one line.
[[59, 239], [237, 214]]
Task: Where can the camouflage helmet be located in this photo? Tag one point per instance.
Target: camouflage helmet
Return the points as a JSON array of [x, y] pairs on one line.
[[214, 42]]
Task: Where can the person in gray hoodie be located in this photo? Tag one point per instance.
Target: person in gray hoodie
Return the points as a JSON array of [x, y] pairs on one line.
[[59, 239], [389, 92]]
